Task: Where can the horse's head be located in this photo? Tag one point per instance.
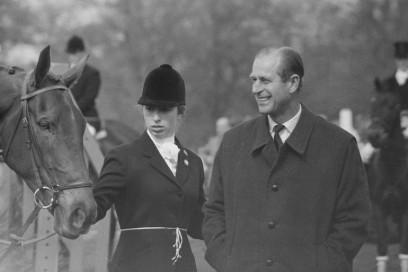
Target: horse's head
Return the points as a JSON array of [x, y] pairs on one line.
[[385, 114], [41, 132]]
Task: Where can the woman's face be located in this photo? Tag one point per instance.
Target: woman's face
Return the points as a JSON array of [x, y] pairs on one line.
[[161, 121]]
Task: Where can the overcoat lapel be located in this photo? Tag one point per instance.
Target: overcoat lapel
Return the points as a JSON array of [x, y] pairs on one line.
[[269, 152], [300, 136], [156, 159], [298, 140], [264, 141]]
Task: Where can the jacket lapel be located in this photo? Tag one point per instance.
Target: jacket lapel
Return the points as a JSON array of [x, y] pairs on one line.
[[183, 166], [150, 151]]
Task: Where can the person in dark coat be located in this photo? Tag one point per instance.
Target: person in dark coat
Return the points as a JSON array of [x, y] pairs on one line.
[[291, 198], [398, 81], [86, 90], [156, 185]]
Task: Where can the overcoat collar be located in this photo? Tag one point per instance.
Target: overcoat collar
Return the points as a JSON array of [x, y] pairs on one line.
[[297, 140], [300, 136], [150, 151]]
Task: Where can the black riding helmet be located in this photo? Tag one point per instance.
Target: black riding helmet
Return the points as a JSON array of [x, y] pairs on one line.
[[163, 87]]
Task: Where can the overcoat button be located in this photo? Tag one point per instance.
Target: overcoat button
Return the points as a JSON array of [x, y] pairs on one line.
[[275, 187], [269, 262], [271, 225], [186, 162]]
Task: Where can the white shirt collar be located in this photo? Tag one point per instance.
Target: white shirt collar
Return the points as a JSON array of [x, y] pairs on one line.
[[159, 142], [289, 125]]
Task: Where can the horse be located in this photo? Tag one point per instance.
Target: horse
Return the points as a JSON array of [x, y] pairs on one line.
[[388, 173], [41, 137]]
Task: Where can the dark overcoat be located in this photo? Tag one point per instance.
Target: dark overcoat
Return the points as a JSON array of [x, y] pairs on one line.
[[85, 92], [137, 180], [402, 91], [302, 209]]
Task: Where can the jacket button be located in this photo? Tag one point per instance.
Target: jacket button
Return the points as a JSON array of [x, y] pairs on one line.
[[275, 187], [269, 262], [271, 224]]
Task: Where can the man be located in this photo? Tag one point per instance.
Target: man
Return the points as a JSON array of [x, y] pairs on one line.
[[291, 200], [87, 88]]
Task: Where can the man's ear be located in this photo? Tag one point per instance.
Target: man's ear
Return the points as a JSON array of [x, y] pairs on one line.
[[294, 82]]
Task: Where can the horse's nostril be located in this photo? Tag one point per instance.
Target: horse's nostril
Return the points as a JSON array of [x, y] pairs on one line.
[[78, 218]]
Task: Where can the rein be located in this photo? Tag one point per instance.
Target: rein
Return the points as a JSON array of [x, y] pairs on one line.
[[33, 147]]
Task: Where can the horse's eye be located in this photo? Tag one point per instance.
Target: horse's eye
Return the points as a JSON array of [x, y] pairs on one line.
[[55, 80], [44, 124]]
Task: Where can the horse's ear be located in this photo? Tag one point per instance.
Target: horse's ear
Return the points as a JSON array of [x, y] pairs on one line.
[[43, 66], [71, 76], [377, 84]]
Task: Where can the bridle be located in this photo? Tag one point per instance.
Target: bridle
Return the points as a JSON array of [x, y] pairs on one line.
[[33, 147]]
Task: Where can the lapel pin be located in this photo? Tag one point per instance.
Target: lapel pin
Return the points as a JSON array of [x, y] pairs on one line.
[[186, 162]]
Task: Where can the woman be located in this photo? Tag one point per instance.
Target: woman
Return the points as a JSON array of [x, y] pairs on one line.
[[156, 185]]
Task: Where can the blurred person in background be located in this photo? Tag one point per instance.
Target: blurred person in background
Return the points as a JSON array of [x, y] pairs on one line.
[[86, 90], [156, 185], [288, 191], [207, 151], [398, 81]]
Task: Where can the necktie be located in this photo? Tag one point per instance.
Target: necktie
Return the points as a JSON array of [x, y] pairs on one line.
[[277, 139]]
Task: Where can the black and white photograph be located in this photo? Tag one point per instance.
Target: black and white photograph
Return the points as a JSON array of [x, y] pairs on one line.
[[204, 136]]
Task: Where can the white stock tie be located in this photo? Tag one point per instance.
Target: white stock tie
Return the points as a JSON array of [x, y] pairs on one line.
[[169, 152]]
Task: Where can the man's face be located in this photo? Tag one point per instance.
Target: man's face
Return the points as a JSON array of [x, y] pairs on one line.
[[402, 64], [271, 94]]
